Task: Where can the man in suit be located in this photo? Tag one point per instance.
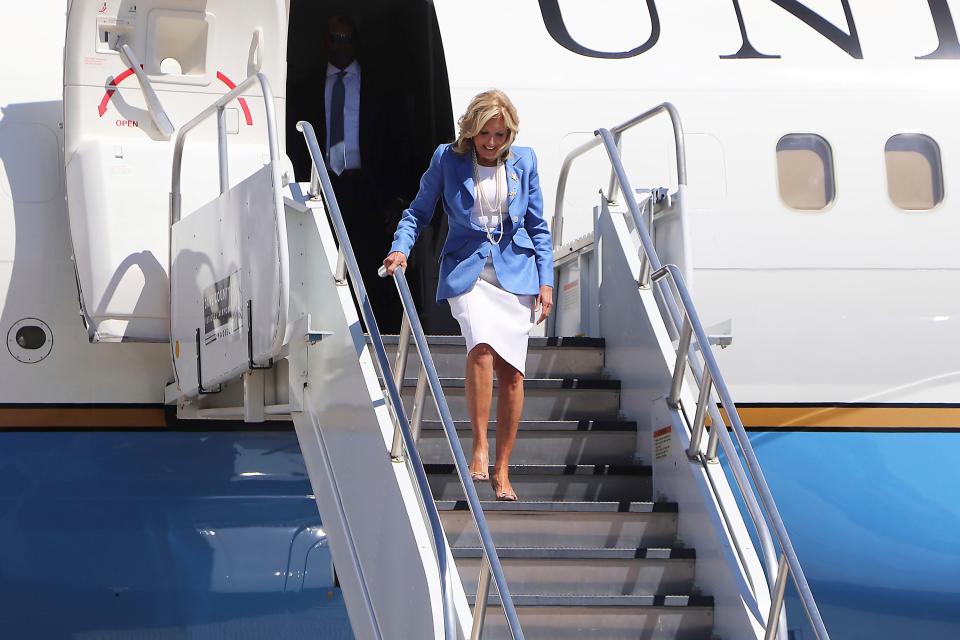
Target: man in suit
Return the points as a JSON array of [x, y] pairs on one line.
[[363, 159]]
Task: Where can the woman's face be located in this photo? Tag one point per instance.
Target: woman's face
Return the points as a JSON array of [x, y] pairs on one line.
[[490, 140]]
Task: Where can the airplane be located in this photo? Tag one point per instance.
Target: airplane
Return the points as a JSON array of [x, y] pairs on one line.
[[803, 189]]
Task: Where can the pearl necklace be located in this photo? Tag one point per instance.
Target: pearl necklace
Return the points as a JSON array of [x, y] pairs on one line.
[[482, 198]]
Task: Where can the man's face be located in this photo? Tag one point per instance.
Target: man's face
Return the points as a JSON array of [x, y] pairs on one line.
[[340, 44]]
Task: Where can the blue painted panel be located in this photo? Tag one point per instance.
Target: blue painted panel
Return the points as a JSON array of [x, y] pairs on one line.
[[875, 520], [162, 535]]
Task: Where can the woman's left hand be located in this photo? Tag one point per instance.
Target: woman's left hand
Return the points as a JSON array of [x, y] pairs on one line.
[[545, 302]]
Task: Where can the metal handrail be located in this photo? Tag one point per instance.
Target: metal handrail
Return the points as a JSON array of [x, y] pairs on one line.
[[617, 131], [281, 226], [689, 322], [321, 181]]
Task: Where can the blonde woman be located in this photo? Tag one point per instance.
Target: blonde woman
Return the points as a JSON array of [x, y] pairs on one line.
[[496, 268]]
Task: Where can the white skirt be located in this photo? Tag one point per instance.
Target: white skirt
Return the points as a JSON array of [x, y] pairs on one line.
[[489, 315]]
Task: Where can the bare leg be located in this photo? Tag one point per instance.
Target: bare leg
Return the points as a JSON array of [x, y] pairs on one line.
[[479, 391], [509, 408]]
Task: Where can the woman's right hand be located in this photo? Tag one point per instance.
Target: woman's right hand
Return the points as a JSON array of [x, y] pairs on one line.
[[395, 260]]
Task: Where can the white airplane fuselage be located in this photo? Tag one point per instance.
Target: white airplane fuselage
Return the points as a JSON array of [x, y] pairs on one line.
[[852, 303]]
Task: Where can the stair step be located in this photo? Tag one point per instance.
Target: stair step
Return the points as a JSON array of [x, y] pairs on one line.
[[554, 482], [544, 442], [535, 342], [580, 553], [532, 383], [546, 357], [546, 425], [544, 399], [564, 524], [663, 617], [575, 571]]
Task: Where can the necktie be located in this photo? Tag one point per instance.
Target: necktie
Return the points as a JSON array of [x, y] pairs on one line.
[[338, 150]]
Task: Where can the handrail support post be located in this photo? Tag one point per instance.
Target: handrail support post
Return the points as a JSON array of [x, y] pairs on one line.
[[645, 270], [340, 274], [222, 149], [480, 605], [399, 370], [776, 599], [696, 435], [418, 404], [714, 442], [679, 368], [315, 192]]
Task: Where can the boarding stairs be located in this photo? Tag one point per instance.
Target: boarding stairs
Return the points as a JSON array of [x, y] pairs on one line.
[[253, 283], [587, 551], [621, 486], [627, 525]]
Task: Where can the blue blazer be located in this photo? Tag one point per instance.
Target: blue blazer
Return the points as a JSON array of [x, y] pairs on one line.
[[523, 258]]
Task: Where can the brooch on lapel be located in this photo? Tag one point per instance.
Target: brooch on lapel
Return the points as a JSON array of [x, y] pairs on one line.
[[513, 177], [512, 193]]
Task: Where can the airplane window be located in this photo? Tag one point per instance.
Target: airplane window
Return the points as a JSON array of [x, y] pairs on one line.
[[805, 171], [914, 172]]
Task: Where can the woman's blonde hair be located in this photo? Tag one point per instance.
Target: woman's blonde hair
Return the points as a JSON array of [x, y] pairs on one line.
[[481, 109]]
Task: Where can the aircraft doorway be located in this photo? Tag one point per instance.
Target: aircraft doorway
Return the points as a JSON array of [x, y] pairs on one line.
[[405, 113]]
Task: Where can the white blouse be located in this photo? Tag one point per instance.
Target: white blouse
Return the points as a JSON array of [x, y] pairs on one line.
[[484, 213]]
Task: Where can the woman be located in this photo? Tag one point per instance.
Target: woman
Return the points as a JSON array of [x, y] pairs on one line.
[[496, 267]]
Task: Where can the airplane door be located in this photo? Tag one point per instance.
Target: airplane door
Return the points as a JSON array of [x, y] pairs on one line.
[[135, 70]]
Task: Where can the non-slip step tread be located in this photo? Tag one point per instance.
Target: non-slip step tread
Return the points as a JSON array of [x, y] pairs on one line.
[[580, 553], [579, 506], [534, 383], [569, 342], [537, 600], [557, 469], [543, 425]]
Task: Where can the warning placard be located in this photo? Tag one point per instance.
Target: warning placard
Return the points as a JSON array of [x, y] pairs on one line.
[[222, 315], [661, 443]]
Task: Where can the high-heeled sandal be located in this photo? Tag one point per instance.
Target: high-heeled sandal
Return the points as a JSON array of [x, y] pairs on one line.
[[481, 476], [502, 496]]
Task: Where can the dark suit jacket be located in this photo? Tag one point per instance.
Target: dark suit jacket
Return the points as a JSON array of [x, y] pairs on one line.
[[382, 160]]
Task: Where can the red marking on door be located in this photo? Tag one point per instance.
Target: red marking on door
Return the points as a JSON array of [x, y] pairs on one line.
[[109, 92], [243, 103]]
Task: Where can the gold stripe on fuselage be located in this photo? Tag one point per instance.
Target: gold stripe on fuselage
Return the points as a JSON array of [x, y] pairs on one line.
[[753, 417], [849, 417], [80, 417]]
